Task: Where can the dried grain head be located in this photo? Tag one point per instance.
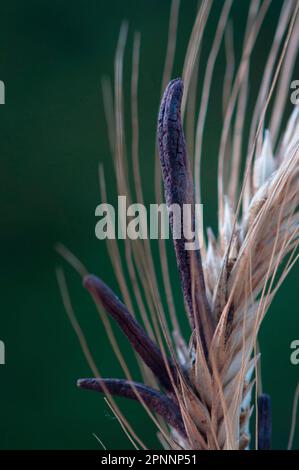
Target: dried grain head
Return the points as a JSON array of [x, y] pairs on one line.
[[198, 389]]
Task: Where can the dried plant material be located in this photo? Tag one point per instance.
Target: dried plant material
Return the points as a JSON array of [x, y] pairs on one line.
[[228, 285]]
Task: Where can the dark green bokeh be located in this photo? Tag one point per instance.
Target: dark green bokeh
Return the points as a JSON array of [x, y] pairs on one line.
[[53, 134]]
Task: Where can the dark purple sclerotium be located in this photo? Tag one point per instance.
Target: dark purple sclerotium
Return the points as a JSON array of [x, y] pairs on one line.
[[264, 422], [179, 189], [143, 345], [156, 401]]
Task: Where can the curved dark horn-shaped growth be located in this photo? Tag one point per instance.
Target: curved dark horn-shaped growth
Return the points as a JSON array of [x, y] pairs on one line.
[[156, 401], [143, 345], [179, 190]]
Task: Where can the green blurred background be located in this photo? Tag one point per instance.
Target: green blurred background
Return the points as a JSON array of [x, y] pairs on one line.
[[53, 55]]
